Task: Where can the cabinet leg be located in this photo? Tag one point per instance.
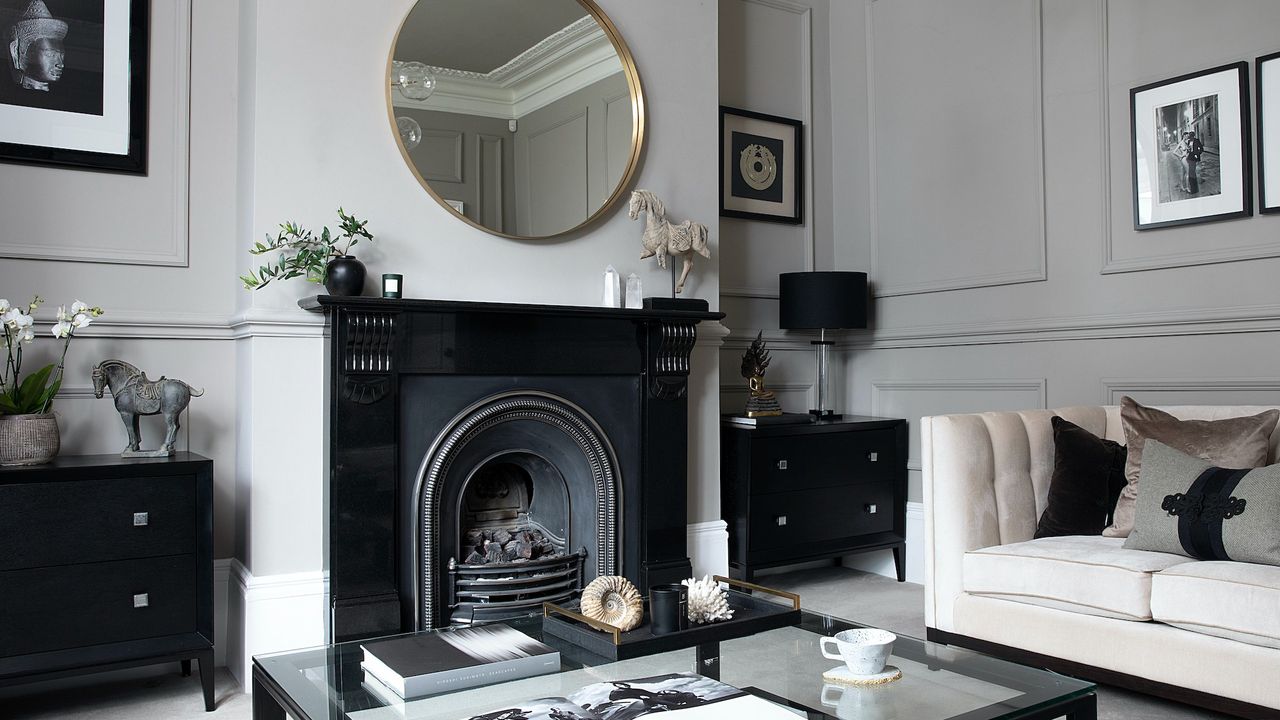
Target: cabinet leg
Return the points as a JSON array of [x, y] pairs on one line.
[[205, 659], [186, 668], [900, 562]]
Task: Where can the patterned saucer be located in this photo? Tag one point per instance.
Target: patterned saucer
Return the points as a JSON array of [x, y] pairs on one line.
[[842, 676]]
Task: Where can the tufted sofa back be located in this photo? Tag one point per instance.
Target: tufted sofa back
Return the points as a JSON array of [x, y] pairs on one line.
[[986, 477]]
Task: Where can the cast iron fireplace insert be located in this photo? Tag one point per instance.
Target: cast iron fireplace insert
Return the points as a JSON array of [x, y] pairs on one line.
[[403, 375]]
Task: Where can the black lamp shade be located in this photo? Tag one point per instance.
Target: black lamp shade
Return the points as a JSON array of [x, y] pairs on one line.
[[822, 300]]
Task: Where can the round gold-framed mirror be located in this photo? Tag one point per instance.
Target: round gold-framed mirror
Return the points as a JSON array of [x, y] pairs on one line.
[[524, 118]]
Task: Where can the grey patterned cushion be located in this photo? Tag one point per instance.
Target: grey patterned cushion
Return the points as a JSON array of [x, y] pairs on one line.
[[1190, 507]]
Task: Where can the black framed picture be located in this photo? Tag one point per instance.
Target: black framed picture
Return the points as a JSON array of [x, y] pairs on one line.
[[1266, 71], [75, 90], [1190, 148], [761, 166]]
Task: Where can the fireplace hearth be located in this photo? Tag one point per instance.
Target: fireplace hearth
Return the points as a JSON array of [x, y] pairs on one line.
[[485, 458]]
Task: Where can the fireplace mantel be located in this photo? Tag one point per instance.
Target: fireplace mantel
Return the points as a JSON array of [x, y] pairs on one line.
[[376, 348]]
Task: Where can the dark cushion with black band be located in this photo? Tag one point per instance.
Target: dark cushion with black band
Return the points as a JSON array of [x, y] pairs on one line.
[[1190, 507], [1088, 475]]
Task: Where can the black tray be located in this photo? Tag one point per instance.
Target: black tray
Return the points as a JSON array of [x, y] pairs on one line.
[[751, 615]]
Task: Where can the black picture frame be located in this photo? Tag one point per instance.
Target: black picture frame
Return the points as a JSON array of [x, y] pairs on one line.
[[1166, 98], [1266, 206], [748, 198], [134, 160]]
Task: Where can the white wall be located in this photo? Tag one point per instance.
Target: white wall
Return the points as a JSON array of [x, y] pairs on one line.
[[958, 130]]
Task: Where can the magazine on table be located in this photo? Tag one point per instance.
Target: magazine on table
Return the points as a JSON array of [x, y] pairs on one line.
[[692, 696], [430, 663]]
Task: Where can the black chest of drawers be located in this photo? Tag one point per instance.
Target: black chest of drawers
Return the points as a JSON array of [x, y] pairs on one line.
[[795, 493], [106, 563]]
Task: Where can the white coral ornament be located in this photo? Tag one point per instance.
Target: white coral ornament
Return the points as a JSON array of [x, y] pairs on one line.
[[707, 602], [614, 600]]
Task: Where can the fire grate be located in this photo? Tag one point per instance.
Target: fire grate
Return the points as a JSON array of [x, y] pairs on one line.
[[497, 591]]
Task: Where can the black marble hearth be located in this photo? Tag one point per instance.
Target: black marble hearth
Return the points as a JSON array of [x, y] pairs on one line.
[[469, 441]]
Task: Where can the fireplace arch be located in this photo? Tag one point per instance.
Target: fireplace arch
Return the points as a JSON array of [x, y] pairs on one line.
[[528, 423]]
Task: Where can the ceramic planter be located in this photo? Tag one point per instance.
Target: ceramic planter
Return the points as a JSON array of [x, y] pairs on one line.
[[344, 276], [28, 439]]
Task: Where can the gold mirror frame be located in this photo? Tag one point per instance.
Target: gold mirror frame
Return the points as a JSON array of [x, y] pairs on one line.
[[637, 129]]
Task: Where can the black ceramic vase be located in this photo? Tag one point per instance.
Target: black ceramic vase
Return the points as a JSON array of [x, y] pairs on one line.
[[344, 276]]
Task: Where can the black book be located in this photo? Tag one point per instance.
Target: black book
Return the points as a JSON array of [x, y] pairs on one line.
[[430, 663]]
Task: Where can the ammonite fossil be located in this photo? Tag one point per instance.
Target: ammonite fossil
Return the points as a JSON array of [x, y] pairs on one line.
[[613, 599]]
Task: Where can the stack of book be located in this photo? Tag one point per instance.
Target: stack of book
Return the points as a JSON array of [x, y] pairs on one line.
[[409, 666]]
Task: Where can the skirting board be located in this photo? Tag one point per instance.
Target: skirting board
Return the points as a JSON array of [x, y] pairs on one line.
[[272, 613], [881, 563]]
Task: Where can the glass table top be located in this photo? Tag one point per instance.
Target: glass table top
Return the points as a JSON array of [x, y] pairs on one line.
[[785, 666]]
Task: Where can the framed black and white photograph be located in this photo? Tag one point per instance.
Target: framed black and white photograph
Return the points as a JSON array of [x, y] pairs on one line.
[[1267, 82], [761, 167], [1190, 148], [75, 90]]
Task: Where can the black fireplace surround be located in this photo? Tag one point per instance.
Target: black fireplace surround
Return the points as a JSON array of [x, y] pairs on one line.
[[473, 442]]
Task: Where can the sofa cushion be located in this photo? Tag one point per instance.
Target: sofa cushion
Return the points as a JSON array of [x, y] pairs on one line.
[[1087, 574], [1188, 506], [1232, 600], [1238, 442], [1088, 475]]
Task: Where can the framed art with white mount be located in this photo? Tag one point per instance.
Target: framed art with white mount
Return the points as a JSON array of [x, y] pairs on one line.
[[761, 167], [1190, 148], [1266, 72], [76, 93]]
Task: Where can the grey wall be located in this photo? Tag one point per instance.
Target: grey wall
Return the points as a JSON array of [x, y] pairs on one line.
[[981, 177], [471, 159]]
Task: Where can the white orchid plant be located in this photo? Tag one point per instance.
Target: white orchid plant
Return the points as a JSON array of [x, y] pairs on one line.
[[34, 394]]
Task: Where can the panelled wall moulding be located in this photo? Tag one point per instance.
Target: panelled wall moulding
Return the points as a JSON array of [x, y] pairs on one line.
[[1211, 255], [1039, 271], [1023, 394], [1253, 389], [806, 89], [174, 252]]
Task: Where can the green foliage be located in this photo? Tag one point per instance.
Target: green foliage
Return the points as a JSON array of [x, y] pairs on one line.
[[303, 253], [32, 395]]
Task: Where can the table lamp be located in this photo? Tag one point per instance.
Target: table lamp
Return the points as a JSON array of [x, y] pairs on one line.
[[822, 301]]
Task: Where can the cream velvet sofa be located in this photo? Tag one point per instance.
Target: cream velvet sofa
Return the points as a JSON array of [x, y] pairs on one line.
[[1206, 633]]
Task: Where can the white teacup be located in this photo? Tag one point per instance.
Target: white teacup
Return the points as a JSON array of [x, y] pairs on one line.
[[864, 651]]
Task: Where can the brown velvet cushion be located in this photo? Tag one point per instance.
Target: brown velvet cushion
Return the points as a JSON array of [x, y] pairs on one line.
[[1231, 442], [1088, 475]]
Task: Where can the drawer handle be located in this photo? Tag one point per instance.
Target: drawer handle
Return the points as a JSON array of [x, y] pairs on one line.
[[781, 520], [141, 600], [873, 457], [141, 519], [871, 508], [782, 464]]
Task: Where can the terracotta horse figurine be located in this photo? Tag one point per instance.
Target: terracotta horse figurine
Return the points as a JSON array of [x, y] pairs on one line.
[[135, 395], [663, 237]]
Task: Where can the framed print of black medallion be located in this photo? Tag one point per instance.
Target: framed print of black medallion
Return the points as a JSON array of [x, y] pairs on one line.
[[1266, 71], [761, 167], [1190, 148], [75, 94]]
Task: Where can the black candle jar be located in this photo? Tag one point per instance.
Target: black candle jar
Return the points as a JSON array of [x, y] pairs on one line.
[[668, 608]]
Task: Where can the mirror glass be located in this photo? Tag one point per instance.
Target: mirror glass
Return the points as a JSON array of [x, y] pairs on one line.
[[523, 117]]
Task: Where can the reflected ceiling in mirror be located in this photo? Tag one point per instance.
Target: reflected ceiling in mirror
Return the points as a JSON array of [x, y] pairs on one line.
[[523, 117]]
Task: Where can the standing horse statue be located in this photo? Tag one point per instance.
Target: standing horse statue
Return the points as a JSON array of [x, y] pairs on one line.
[[663, 237], [135, 395]]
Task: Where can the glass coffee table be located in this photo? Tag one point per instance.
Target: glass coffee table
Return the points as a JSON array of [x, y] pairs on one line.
[[784, 666]]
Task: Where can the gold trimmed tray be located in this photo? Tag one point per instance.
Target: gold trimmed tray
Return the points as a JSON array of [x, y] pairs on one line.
[[751, 615]]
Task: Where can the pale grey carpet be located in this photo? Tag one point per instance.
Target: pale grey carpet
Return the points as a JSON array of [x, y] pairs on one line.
[[882, 602], [871, 599]]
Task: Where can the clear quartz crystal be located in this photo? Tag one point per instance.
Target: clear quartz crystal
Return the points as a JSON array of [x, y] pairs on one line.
[[635, 293], [612, 289]]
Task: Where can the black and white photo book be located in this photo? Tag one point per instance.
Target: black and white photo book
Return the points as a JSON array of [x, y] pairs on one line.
[[431, 663], [692, 696]]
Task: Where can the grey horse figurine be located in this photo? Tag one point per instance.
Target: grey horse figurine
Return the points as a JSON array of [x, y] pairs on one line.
[[136, 395]]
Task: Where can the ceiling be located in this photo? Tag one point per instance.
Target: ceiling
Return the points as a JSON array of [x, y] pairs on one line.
[[480, 35]]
